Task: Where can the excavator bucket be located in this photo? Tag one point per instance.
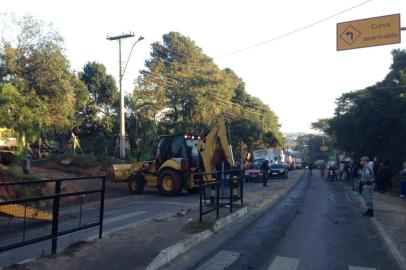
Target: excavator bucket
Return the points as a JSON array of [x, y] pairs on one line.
[[19, 211]]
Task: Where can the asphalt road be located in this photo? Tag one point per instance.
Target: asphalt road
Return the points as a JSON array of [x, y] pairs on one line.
[[316, 227]]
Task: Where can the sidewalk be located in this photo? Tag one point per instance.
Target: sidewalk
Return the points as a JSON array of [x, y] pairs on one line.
[[390, 219], [390, 211], [135, 247]]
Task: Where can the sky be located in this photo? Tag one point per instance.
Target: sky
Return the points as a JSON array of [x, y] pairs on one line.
[[298, 76]]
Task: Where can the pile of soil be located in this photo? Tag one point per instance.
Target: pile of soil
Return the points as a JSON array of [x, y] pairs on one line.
[[53, 170], [54, 165], [14, 192]]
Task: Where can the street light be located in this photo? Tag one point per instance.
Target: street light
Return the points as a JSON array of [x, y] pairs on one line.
[[126, 64]]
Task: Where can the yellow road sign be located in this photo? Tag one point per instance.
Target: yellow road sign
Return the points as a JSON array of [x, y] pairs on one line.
[[369, 32], [324, 149]]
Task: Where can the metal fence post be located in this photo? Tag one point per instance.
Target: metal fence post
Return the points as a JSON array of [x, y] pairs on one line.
[[80, 210], [231, 192], [102, 207], [55, 216], [201, 198], [242, 187], [218, 200], [25, 218]]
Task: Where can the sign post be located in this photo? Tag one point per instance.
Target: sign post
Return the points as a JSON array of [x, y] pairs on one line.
[[369, 32]]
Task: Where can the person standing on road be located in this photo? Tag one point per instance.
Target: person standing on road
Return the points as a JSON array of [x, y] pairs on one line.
[[265, 169], [346, 172], [376, 165], [367, 181], [341, 170], [354, 175], [384, 176], [322, 169], [310, 168], [403, 181]]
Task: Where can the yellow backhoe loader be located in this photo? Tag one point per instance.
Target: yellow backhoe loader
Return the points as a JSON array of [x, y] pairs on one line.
[[179, 162]]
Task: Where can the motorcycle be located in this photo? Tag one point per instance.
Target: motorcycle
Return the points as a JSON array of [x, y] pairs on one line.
[[331, 175]]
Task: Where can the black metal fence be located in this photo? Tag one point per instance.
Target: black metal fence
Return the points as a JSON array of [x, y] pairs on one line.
[[220, 189], [45, 210]]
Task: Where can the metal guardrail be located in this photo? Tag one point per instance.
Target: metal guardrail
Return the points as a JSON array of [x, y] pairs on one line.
[[45, 210], [226, 188]]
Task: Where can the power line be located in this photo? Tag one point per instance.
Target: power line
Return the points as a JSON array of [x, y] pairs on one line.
[[172, 82], [291, 32], [204, 76], [241, 108], [221, 99], [185, 57], [243, 104]]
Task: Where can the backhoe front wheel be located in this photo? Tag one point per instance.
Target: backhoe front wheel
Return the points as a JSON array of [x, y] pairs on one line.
[[170, 183], [136, 183]]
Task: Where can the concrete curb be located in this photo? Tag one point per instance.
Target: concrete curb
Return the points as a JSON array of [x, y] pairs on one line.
[[392, 247], [168, 254], [223, 222], [389, 241]]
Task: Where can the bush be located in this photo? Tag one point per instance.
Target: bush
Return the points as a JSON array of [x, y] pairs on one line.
[[17, 176], [195, 226]]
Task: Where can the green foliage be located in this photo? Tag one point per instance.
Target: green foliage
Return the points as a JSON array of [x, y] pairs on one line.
[[18, 176], [372, 121], [35, 80], [195, 226], [180, 91], [98, 110], [183, 91]]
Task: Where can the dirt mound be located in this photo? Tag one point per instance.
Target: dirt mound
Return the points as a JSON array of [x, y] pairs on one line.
[[93, 171]]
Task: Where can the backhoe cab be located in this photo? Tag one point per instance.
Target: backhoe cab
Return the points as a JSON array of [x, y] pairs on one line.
[[179, 162]]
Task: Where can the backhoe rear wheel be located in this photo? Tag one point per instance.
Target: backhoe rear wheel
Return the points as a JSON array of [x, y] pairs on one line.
[[170, 183], [136, 183]]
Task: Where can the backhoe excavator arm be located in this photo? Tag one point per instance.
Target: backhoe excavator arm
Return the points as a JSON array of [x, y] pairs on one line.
[[207, 145]]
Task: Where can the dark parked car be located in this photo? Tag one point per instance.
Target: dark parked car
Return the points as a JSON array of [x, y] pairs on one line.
[[253, 172], [279, 170]]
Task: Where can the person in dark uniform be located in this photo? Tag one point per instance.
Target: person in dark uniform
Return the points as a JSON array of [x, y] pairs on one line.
[[384, 176], [265, 169], [310, 168]]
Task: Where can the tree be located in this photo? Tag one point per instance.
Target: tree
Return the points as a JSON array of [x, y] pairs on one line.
[[96, 115], [35, 79], [186, 91], [321, 125], [23, 113], [371, 121]]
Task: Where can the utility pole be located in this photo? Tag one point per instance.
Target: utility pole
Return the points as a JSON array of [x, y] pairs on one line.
[[242, 154], [120, 78]]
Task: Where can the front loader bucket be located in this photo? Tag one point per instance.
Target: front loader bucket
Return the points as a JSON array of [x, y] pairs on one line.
[[121, 172]]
